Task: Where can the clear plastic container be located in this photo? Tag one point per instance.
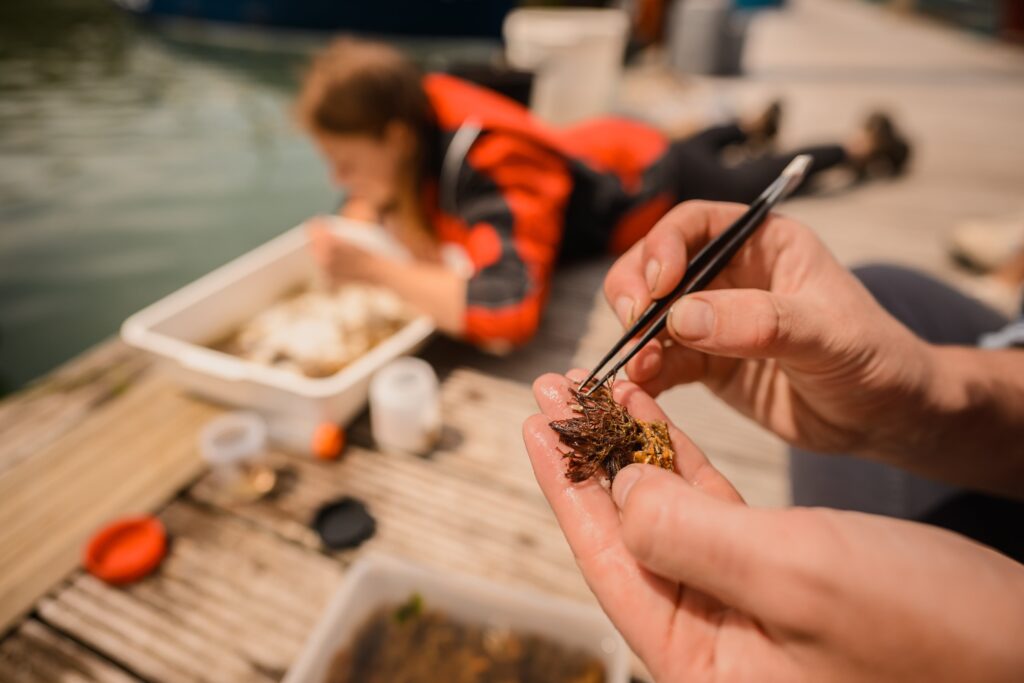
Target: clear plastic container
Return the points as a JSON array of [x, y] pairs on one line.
[[234, 445]]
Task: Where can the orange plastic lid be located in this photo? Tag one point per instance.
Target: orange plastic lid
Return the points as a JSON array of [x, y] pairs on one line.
[[126, 550], [328, 441]]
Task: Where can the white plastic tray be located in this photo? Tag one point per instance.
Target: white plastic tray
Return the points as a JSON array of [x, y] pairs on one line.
[[178, 327], [377, 581]]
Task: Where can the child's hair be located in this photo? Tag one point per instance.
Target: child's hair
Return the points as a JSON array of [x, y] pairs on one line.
[[358, 87]]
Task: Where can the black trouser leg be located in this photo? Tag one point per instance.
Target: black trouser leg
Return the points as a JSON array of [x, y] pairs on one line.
[[696, 170], [713, 140], [941, 315]]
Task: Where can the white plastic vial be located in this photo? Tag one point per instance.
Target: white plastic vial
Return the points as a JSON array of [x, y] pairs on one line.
[[405, 407]]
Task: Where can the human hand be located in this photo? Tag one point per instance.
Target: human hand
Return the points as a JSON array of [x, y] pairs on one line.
[[360, 210], [338, 258], [704, 588], [786, 335]]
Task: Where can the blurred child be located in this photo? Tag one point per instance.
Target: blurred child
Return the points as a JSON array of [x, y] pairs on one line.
[[488, 199]]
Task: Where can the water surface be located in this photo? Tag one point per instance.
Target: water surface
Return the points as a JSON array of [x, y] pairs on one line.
[[130, 164]]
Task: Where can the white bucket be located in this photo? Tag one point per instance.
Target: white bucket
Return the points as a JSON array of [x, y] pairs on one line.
[[576, 55], [706, 37]]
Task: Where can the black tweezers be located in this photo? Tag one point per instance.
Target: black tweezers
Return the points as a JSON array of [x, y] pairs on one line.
[[704, 268]]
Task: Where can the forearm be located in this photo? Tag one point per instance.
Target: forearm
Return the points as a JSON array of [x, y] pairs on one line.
[[970, 425], [433, 289]]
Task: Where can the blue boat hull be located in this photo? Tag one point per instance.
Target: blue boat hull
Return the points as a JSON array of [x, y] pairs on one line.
[[481, 18]]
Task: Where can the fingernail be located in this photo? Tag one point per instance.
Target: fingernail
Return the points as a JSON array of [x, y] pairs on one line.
[[624, 309], [692, 319], [624, 482], [652, 272]]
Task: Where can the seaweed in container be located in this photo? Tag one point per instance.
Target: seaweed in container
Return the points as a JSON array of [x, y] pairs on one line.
[[604, 436], [411, 643]]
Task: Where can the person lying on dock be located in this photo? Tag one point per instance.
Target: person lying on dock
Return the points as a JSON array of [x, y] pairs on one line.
[[489, 199]]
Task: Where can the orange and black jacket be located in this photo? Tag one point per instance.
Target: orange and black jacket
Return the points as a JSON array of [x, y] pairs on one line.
[[519, 197]]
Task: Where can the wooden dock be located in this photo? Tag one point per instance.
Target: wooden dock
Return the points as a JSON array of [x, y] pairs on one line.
[[244, 584], [109, 435]]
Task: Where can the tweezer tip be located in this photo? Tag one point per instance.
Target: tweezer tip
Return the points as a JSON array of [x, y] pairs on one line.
[[798, 167]]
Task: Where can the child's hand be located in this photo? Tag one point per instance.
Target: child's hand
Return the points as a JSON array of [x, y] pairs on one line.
[[360, 210], [706, 589], [339, 259]]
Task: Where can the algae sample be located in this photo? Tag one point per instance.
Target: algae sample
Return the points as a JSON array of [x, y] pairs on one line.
[[604, 436]]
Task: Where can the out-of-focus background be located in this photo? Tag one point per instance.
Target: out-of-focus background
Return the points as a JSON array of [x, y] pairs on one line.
[[144, 143], [137, 156]]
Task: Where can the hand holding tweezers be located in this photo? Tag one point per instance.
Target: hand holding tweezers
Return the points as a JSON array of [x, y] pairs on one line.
[[704, 268]]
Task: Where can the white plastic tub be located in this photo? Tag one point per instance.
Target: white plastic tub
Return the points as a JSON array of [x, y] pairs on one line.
[[378, 581], [576, 54], [178, 327]]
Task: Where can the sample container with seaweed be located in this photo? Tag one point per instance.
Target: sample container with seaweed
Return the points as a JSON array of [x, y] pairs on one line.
[[412, 643]]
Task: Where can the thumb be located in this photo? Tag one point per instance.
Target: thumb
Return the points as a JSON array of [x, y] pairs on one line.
[[746, 558], [748, 323]]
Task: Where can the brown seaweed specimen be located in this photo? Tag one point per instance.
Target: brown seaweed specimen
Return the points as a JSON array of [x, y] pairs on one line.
[[604, 436]]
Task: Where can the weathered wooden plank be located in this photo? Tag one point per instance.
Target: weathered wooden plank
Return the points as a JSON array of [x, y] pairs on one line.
[[35, 653], [428, 512], [133, 453], [52, 406], [228, 604]]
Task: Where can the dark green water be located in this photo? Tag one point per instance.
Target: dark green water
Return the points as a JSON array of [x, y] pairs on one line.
[[130, 165]]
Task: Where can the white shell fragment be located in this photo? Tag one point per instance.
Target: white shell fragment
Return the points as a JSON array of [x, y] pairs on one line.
[[317, 333]]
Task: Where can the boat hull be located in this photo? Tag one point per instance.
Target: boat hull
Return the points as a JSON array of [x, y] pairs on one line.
[[480, 18]]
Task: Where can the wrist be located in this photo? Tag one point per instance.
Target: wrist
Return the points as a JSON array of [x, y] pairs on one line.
[[944, 410], [928, 391], [970, 422], [948, 391]]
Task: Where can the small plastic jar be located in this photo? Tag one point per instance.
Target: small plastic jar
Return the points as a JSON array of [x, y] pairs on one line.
[[405, 407], [234, 445]]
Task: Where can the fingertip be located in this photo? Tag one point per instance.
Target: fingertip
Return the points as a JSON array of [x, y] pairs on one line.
[[624, 482], [691, 319], [624, 287], [648, 496], [625, 310], [652, 274], [668, 524], [577, 374], [546, 381], [549, 391], [534, 426]]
